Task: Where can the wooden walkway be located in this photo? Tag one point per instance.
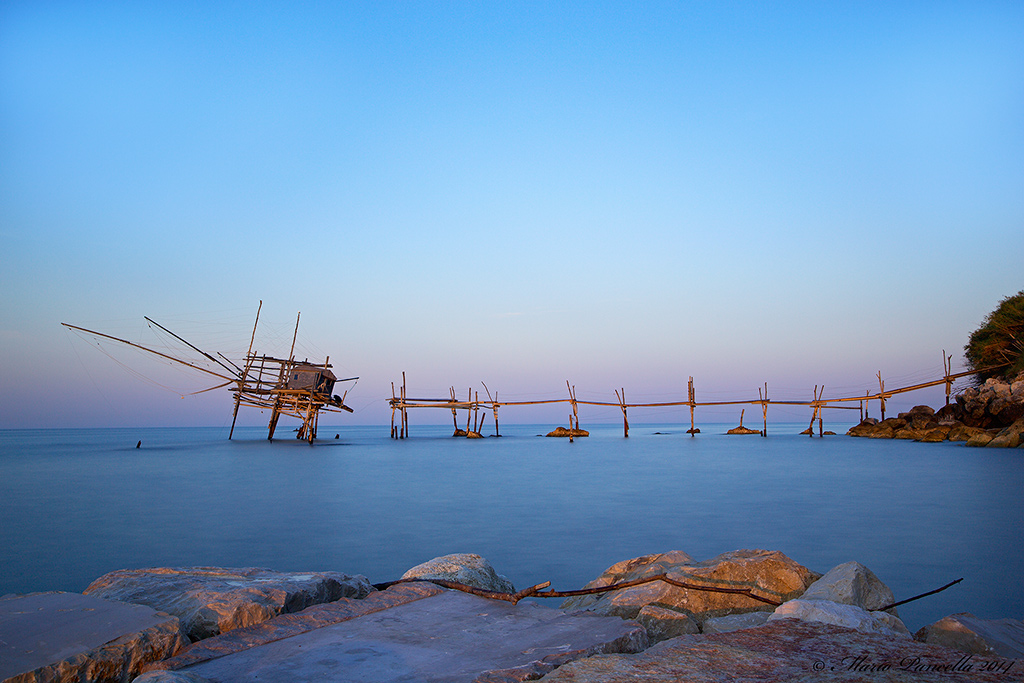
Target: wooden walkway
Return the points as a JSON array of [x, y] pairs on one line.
[[477, 408]]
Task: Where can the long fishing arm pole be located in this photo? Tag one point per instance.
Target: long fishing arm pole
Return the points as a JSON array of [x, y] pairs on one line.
[[162, 355], [185, 342]]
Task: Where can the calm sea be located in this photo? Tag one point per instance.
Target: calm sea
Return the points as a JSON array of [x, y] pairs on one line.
[[79, 503]]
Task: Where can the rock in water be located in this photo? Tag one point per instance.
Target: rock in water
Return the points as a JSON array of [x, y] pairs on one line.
[[466, 568], [968, 633], [768, 573], [212, 600]]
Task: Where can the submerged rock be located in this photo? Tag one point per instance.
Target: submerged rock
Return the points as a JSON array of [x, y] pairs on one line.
[[466, 568], [212, 600], [767, 573]]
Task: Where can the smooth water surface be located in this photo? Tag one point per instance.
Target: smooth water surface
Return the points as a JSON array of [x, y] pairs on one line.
[[79, 503]]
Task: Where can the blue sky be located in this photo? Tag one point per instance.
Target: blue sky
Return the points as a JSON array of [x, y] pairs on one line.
[[514, 193]]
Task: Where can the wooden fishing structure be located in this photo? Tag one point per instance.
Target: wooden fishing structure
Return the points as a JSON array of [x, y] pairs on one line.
[[284, 386], [401, 404]]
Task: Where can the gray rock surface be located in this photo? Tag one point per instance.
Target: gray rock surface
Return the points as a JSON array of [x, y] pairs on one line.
[[466, 568], [663, 623], [170, 677], [735, 622], [58, 637], [212, 600], [851, 583], [449, 636], [968, 633], [769, 574], [847, 616]]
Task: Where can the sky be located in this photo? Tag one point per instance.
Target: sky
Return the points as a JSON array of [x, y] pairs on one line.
[[620, 195]]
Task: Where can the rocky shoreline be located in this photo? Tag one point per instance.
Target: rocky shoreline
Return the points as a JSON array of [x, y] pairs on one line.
[[746, 614], [991, 415]]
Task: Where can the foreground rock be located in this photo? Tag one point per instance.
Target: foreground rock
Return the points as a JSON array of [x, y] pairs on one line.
[[424, 634], [789, 650], [465, 568], [847, 616], [769, 574], [58, 637], [968, 633], [212, 600]]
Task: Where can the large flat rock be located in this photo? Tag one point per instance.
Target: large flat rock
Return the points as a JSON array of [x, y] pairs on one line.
[[71, 637], [448, 636], [790, 650]]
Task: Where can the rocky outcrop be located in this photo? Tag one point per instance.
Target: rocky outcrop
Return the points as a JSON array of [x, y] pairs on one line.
[[996, 403], [968, 633], [467, 568], [789, 650], [212, 600], [991, 415], [769, 574]]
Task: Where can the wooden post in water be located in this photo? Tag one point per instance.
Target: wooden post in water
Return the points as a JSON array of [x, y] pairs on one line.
[[625, 418], [494, 407], [691, 398], [764, 407], [881, 393], [947, 366], [455, 416]]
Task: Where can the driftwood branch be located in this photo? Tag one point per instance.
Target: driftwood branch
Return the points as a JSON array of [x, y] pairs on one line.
[[922, 595], [538, 592]]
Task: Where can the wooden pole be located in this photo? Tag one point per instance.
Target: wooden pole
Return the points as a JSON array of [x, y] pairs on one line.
[[764, 408], [692, 399], [881, 393], [625, 418]]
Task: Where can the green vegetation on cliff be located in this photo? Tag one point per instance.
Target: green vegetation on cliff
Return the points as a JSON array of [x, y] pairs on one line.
[[999, 340]]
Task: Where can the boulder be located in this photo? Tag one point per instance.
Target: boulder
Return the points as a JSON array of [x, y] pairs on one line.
[[961, 432], [212, 600], [851, 584], [735, 622], [981, 438], [662, 623], [968, 633], [1011, 437], [769, 574], [847, 616], [465, 568]]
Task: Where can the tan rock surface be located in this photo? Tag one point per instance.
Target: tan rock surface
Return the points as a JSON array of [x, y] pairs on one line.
[[787, 650]]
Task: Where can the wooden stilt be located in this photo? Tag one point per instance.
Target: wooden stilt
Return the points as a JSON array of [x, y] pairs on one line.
[[625, 418]]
